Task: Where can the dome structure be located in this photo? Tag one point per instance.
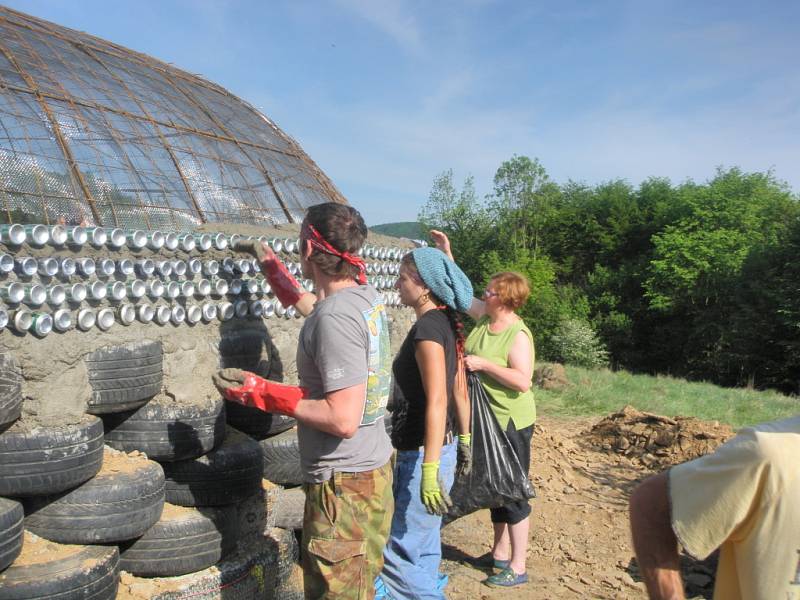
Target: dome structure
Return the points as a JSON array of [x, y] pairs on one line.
[[94, 133]]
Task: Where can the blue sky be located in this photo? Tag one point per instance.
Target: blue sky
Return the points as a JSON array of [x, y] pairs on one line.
[[386, 94]]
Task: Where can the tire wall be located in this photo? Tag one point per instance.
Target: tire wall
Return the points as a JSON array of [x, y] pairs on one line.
[[55, 376]]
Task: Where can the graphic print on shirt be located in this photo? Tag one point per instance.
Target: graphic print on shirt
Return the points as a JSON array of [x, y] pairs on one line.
[[379, 374]]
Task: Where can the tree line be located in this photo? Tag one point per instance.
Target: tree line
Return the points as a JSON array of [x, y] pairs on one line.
[[697, 280]]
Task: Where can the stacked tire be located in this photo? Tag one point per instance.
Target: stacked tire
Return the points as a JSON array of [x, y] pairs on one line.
[[50, 477]]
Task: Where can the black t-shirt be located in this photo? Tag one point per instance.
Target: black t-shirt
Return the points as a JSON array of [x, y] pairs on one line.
[[408, 403]]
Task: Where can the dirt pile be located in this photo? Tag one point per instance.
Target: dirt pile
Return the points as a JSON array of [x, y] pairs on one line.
[[551, 377], [656, 441]]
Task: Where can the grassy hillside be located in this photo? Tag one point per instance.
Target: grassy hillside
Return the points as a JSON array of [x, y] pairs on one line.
[[600, 392], [406, 229]]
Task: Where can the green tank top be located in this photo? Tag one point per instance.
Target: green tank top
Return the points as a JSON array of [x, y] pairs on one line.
[[506, 403]]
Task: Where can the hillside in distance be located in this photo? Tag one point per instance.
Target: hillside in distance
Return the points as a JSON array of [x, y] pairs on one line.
[[406, 229]]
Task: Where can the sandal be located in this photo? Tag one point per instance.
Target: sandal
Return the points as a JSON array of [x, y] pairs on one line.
[[506, 578]]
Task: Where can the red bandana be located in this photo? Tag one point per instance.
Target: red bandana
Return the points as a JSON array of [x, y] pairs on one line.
[[312, 235]]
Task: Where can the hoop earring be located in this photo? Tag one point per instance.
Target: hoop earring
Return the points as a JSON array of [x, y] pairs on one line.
[[423, 299]]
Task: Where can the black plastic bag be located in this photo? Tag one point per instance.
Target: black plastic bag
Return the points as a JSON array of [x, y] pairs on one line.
[[497, 478]]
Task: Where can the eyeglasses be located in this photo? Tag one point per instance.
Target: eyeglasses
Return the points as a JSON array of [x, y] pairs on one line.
[[489, 294]]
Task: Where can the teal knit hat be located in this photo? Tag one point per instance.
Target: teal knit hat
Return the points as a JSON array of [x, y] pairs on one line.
[[443, 277]]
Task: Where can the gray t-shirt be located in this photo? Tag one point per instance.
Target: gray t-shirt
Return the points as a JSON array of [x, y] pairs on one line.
[[345, 342]]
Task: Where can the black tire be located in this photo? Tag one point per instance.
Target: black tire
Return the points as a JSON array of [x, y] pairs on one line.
[[289, 508], [91, 573], [226, 475], [118, 504], [124, 377], [10, 390], [11, 515], [255, 422], [247, 349], [184, 540], [48, 460], [166, 430], [282, 458]]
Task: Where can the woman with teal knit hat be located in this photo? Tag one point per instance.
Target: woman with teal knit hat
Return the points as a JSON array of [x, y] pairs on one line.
[[427, 417], [500, 348]]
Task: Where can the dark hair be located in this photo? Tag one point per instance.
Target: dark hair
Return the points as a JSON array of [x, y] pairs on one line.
[[343, 228], [450, 313]]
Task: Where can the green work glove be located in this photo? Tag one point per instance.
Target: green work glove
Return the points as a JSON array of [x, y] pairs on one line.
[[435, 499], [464, 460]]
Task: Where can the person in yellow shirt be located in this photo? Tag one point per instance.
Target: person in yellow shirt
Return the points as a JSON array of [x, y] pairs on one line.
[[744, 498]]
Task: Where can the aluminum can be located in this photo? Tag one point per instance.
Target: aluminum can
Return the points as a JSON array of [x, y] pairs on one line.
[[228, 265], [136, 239], [171, 241], [203, 241], [268, 308], [193, 314], [115, 238], [155, 289], [219, 287], [26, 265], [291, 313], [187, 289], [97, 290], [243, 266], [35, 294], [3, 318], [37, 235], [164, 268], [97, 236], [77, 236], [209, 311], [62, 320], [220, 241], [105, 319], [58, 235], [125, 267], [252, 286], [86, 319], [136, 288], [290, 245], [276, 245], [12, 292], [126, 314], [155, 240], [6, 263], [56, 295], [234, 239], [241, 308], [145, 267], [145, 313], [47, 267], [106, 267], [280, 311], [13, 235], [86, 266], [265, 287], [41, 324], [225, 311], [187, 242], [21, 319], [179, 268], [163, 314], [235, 287], [203, 287], [211, 267], [195, 266], [173, 289], [116, 291], [76, 292], [256, 309], [178, 314], [67, 266]]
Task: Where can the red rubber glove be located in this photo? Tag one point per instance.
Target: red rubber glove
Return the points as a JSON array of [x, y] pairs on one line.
[[251, 390], [280, 280]]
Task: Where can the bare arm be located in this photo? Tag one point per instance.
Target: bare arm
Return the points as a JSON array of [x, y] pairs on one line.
[[338, 413], [431, 362], [654, 541], [461, 403], [519, 372]]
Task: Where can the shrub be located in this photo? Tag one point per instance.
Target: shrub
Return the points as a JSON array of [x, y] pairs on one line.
[[576, 343]]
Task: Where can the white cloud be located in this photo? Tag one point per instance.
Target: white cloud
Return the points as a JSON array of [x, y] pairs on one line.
[[393, 18]]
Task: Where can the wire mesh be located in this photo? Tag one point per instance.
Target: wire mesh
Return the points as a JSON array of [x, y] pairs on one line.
[[94, 133]]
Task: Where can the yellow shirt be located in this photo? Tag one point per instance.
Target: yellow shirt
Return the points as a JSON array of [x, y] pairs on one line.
[[506, 404], [745, 497]]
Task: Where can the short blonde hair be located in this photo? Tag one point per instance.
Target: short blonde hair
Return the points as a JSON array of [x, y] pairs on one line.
[[512, 288]]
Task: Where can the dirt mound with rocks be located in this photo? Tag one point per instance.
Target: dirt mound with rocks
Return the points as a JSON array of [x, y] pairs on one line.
[[655, 441], [551, 376]]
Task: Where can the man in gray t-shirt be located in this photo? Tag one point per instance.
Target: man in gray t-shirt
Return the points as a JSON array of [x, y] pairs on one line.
[[344, 366]]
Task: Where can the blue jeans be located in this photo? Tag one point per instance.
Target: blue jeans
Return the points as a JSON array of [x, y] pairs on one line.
[[414, 550]]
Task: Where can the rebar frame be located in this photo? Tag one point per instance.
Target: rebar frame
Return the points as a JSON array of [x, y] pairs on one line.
[[94, 133]]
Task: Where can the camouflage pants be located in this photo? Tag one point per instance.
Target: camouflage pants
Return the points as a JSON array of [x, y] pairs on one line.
[[345, 528]]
